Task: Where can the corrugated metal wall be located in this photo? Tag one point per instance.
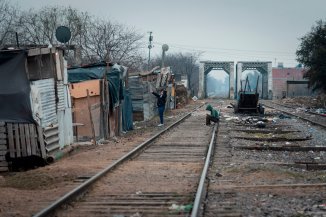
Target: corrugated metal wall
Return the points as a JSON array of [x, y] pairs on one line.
[[43, 101], [61, 96], [142, 100]]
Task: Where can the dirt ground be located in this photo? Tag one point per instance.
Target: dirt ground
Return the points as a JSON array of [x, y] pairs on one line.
[[27, 192], [316, 102]]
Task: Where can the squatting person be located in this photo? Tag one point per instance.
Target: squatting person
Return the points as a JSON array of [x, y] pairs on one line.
[[214, 116]]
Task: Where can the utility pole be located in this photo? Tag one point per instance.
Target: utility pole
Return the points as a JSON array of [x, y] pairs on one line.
[[149, 48]]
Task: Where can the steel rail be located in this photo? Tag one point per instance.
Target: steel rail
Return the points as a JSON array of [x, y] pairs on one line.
[[289, 113], [200, 189], [81, 188], [291, 107]]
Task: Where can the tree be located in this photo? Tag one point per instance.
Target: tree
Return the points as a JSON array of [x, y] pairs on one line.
[[185, 64], [8, 19], [92, 39], [112, 42], [312, 54]]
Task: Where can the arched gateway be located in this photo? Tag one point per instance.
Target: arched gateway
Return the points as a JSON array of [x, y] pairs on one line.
[[265, 68], [206, 66]]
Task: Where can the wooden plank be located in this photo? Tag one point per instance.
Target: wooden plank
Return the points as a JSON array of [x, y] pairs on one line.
[[22, 139], [34, 52], [18, 149], [3, 129], [45, 50], [28, 140], [3, 141], [11, 140], [3, 169], [41, 141], [283, 148], [33, 139], [91, 117], [3, 163], [2, 158], [2, 123], [58, 67], [3, 147], [3, 136]]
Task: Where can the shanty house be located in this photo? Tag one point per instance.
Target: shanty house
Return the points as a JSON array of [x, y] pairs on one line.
[[35, 111], [142, 84], [101, 101]]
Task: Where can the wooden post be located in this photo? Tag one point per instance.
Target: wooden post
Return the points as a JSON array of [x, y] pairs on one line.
[[107, 104], [91, 118]]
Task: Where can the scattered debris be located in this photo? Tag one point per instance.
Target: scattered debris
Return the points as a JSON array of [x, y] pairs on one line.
[[260, 124], [218, 175], [283, 116], [181, 208]]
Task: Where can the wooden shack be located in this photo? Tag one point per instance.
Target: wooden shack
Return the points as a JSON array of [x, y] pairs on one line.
[[101, 101], [35, 120]]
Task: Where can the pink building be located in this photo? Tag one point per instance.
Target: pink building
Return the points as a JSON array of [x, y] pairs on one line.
[[289, 82]]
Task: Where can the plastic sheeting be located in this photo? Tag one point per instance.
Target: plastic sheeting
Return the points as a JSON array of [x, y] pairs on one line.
[[116, 89], [127, 120], [85, 74], [15, 105], [97, 72]]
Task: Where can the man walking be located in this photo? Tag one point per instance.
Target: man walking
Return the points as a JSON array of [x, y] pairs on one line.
[[161, 99]]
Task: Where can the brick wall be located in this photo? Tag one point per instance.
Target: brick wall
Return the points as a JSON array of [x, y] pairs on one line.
[[280, 78]]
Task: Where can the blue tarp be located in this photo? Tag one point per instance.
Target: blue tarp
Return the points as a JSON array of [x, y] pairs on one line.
[[85, 74]]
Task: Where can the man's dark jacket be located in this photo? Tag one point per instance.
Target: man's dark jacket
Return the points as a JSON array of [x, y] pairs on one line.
[[160, 99]]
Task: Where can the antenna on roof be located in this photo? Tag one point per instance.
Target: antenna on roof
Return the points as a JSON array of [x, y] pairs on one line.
[[63, 34]]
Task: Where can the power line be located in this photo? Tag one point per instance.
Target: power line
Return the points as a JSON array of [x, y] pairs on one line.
[[202, 48]]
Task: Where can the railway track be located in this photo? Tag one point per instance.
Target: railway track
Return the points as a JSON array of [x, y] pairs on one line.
[[161, 177], [312, 117], [252, 175]]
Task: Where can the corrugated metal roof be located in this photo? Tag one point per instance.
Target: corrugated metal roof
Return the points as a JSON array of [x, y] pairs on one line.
[[45, 97]]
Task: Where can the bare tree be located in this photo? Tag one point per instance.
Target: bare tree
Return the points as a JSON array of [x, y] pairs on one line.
[[91, 38], [112, 42], [185, 64], [39, 26], [8, 19]]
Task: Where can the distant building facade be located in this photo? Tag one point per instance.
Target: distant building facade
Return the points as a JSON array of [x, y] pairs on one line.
[[289, 82]]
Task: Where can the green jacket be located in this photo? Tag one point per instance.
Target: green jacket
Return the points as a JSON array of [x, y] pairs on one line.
[[214, 113]]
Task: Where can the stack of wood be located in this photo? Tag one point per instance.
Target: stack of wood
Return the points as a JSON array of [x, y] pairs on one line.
[[23, 140], [3, 148]]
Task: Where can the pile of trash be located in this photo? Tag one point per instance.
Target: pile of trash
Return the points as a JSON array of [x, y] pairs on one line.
[[181, 96], [306, 102]]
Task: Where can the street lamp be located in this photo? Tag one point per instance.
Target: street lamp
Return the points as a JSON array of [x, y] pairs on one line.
[[165, 48], [150, 46]]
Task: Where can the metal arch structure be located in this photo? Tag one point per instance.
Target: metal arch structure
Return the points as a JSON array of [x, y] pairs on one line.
[[265, 68], [206, 66]]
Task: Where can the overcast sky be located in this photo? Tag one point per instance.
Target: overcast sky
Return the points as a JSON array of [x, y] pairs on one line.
[[224, 30]]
